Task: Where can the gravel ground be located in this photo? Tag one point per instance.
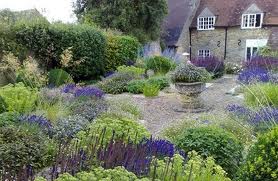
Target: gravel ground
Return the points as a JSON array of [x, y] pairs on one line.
[[160, 112]]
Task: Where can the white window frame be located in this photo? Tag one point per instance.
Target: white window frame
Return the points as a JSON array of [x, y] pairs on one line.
[[249, 23], [201, 23], [254, 43], [204, 53]]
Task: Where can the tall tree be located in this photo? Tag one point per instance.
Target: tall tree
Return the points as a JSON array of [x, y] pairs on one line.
[[141, 18]]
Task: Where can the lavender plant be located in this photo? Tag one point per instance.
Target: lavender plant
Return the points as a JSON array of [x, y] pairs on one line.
[[253, 75]]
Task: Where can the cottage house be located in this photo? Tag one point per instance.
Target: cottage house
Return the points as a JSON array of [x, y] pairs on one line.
[[232, 30]]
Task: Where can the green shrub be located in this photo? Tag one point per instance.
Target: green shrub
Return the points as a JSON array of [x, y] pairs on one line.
[[208, 141], [3, 105], [188, 73], [19, 98], [117, 174], [160, 81], [48, 42], [137, 72], [120, 50], [21, 146], [115, 84], [124, 128], [160, 65], [151, 90], [196, 168], [58, 77], [8, 118], [262, 95], [136, 86], [123, 107], [261, 163]]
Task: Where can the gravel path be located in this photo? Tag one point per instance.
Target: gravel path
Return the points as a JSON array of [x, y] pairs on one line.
[[159, 112]]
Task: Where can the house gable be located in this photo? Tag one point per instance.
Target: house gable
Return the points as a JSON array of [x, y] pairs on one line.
[[206, 13], [253, 9]]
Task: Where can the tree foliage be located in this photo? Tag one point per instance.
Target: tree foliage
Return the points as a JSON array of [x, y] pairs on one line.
[[139, 18]]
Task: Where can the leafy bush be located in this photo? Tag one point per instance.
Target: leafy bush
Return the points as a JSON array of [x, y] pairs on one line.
[[136, 86], [209, 141], [124, 128], [119, 50], [58, 77], [188, 73], [232, 68], [18, 97], [118, 173], [123, 107], [151, 90], [261, 163], [160, 81], [3, 105], [196, 168], [211, 64], [39, 121], [22, 147], [160, 64], [67, 127], [261, 95], [137, 72], [9, 118], [267, 52], [89, 109], [116, 83], [48, 43], [254, 75]]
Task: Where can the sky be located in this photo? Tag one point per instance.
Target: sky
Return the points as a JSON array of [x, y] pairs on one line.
[[53, 10]]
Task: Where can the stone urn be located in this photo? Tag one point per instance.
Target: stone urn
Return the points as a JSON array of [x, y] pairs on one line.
[[190, 94]]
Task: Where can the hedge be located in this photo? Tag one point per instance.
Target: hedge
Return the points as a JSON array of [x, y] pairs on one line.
[[120, 50], [47, 43]]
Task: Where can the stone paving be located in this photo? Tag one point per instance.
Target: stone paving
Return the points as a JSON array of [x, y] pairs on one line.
[[159, 112]]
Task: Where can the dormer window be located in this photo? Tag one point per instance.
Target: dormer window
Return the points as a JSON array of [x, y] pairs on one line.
[[206, 23], [250, 21]]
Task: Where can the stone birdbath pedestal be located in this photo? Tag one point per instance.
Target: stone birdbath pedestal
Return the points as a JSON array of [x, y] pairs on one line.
[[190, 81]]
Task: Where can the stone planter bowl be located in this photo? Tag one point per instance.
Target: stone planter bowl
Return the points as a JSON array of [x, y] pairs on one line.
[[189, 89], [190, 95]]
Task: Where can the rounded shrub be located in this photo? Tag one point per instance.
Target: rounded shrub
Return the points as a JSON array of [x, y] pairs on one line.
[[118, 173], [160, 81], [136, 86], [22, 146], [261, 163], [116, 83], [188, 73], [19, 98], [9, 118], [160, 64], [58, 77], [119, 51], [209, 141], [123, 128]]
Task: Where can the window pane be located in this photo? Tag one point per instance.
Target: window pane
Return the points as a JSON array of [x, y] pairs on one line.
[[248, 54], [252, 21], [258, 20], [254, 52]]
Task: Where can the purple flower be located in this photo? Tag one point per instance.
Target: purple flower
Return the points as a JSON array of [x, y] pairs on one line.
[[41, 121], [89, 92], [265, 115], [160, 148], [69, 88], [251, 75], [108, 74], [239, 111], [211, 64], [262, 62]]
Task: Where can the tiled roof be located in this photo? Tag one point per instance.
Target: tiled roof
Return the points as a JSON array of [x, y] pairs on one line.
[[229, 12], [178, 12]]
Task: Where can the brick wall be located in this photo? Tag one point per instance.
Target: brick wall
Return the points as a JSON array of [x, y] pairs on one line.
[[214, 40]]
